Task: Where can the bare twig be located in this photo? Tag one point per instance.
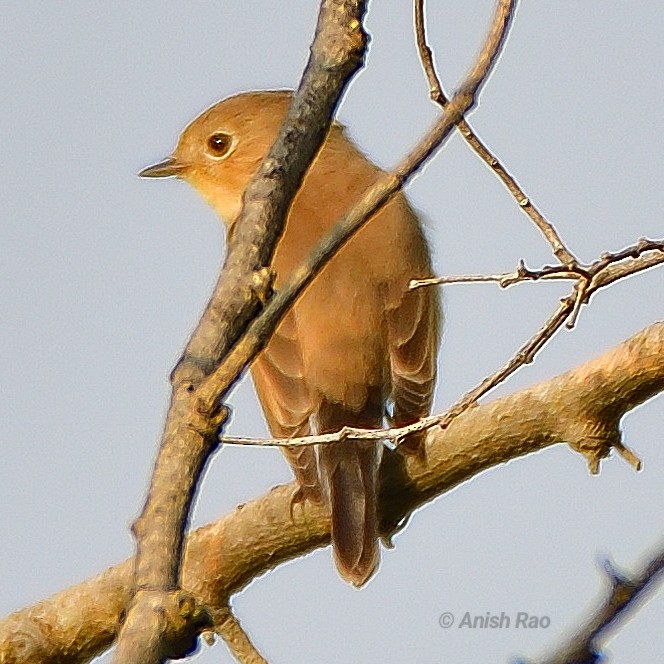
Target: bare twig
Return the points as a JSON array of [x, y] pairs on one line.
[[505, 279], [625, 596], [605, 270], [589, 280], [523, 356], [426, 56], [562, 253]]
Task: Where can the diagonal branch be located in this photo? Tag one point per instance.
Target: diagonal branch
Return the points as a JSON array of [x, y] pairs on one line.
[[626, 595], [190, 436], [224, 377]]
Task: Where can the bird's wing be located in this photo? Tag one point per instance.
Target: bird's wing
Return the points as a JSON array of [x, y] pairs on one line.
[[413, 322], [287, 401]]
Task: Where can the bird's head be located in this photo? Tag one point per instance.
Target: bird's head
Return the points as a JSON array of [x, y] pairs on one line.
[[219, 152]]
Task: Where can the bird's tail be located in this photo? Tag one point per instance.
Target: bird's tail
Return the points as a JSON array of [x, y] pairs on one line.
[[349, 470]]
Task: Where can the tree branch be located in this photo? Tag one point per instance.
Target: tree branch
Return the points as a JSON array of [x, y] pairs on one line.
[[626, 595], [607, 269], [562, 253], [582, 407], [194, 419], [190, 432], [223, 378], [237, 640]]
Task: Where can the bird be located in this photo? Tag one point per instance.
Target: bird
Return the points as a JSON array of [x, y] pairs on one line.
[[358, 348]]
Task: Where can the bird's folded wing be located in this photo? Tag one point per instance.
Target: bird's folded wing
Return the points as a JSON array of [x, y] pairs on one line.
[[413, 322], [287, 401]]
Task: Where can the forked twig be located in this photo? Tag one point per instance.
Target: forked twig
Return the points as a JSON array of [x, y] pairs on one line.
[[562, 253], [609, 267], [625, 594]]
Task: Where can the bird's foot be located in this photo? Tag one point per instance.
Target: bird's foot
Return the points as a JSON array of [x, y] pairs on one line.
[[300, 495]]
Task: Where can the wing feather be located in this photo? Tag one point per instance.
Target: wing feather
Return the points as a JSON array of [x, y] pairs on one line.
[[287, 401], [413, 338]]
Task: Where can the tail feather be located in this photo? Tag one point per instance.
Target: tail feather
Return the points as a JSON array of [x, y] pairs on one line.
[[349, 471]]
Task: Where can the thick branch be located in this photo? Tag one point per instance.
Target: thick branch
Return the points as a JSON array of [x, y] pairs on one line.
[[582, 407], [190, 435]]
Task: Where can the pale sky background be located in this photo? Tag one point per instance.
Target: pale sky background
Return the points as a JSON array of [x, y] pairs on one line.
[[103, 276]]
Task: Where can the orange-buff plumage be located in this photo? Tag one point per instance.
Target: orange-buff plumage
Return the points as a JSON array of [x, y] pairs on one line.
[[357, 348]]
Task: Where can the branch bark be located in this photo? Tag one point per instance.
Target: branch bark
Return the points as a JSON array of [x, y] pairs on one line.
[[202, 378], [582, 407], [191, 431]]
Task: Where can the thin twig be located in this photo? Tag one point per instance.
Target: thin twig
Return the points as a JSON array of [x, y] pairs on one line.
[[525, 355], [504, 280], [602, 272], [426, 56], [562, 253], [217, 385], [236, 638], [625, 596]]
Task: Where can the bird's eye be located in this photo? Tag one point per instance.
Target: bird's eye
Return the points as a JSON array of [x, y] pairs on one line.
[[219, 144]]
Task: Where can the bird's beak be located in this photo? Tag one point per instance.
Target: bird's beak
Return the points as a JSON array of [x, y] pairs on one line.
[[164, 169]]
